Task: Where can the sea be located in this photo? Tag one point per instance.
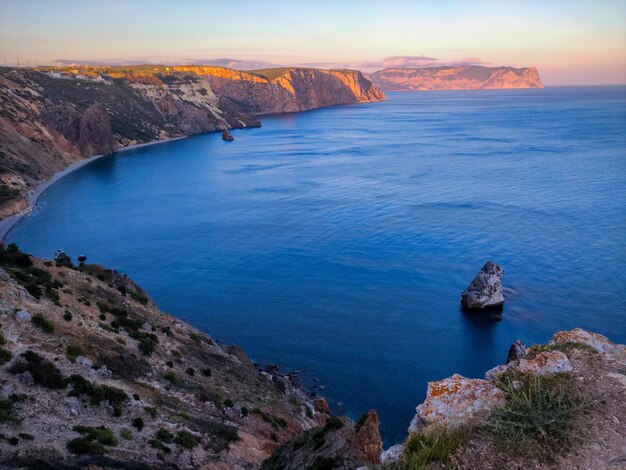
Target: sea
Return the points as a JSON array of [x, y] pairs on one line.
[[337, 242]]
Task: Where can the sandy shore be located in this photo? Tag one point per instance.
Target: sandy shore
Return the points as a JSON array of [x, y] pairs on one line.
[[33, 196]]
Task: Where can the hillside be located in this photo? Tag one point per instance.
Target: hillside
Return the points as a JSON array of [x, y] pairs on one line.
[[468, 77], [53, 117]]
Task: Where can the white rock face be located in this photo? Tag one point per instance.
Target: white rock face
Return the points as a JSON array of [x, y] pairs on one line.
[[545, 363], [577, 335], [85, 361], [485, 291], [74, 404], [5, 307], [392, 454], [456, 400], [23, 316]]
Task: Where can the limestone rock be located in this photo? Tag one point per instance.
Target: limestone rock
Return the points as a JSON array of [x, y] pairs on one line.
[[456, 400], [85, 361], [393, 454], [26, 378], [516, 351], [485, 291], [494, 374], [577, 335], [146, 326], [74, 405], [23, 316], [545, 363]]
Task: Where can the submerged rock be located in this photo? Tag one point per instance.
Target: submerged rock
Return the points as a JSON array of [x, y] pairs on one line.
[[485, 291], [456, 400]]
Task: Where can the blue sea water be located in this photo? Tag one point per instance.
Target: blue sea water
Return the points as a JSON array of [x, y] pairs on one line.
[[337, 242]]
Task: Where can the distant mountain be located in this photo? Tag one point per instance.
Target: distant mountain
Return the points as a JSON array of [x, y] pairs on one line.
[[466, 77]]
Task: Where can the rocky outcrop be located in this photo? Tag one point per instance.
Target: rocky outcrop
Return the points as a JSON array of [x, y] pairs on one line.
[[339, 444], [485, 291], [467, 77], [456, 401], [576, 367], [289, 89]]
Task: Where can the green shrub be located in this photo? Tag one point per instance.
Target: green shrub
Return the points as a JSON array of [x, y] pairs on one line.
[[7, 411], [206, 372], [228, 403], [539, 415], [190, 371], [44, 373], [73, 351], [333, 423], [176, 353], [164, 435], [103, 317], [159, 445], [13, 441], [185, 439], [82, 446], [44, 324], [565, 348], [138, 423], [275, 421], [101, 435], [98, 393], [151, 410], [171, 377], [5, 356], [438, 445], [169, 364], [67, 316], [126, 434], [139, 297]]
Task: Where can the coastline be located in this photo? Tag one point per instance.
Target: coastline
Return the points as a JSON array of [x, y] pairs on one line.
[[6, 225]]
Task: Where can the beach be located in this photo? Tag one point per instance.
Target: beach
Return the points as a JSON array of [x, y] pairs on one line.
[[7, 224]]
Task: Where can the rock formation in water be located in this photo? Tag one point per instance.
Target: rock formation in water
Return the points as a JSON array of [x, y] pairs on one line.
[[485, 291], [465, 77], [51, 118]]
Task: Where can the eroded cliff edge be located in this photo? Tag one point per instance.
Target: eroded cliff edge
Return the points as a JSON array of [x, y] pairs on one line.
[[466, 77], [51, 118]]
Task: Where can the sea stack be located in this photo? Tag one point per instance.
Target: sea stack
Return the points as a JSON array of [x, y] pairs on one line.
[[227, 136], [485, 291]]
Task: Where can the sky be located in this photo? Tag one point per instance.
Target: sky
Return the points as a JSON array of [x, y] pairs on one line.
[[570, 42]]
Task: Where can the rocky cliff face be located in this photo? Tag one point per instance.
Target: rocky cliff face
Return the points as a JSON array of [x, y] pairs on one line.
[[470, 77], [91, 369], [50, 119]]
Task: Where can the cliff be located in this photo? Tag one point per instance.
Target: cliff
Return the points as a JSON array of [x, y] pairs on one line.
[[91, 371], [468, 77], [53, 117]]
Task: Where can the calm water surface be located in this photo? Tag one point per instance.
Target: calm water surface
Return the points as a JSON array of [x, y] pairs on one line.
[[337, 242]]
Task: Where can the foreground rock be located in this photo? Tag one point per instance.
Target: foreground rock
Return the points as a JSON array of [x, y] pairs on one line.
[[577, 378], [340, 445], [485, 291], [456, 401]]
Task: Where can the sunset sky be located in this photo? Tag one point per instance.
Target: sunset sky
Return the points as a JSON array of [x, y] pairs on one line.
[[571, 42]]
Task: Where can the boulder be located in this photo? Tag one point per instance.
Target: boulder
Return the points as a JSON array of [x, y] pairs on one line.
[[85, 361], [227, 136], [455, 401], [321, 406], [26, 378], [62, 259], [485, 291], [146, 326], [577, 335], [545, 363], [23, 316], [516, 351], [74, 405]]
